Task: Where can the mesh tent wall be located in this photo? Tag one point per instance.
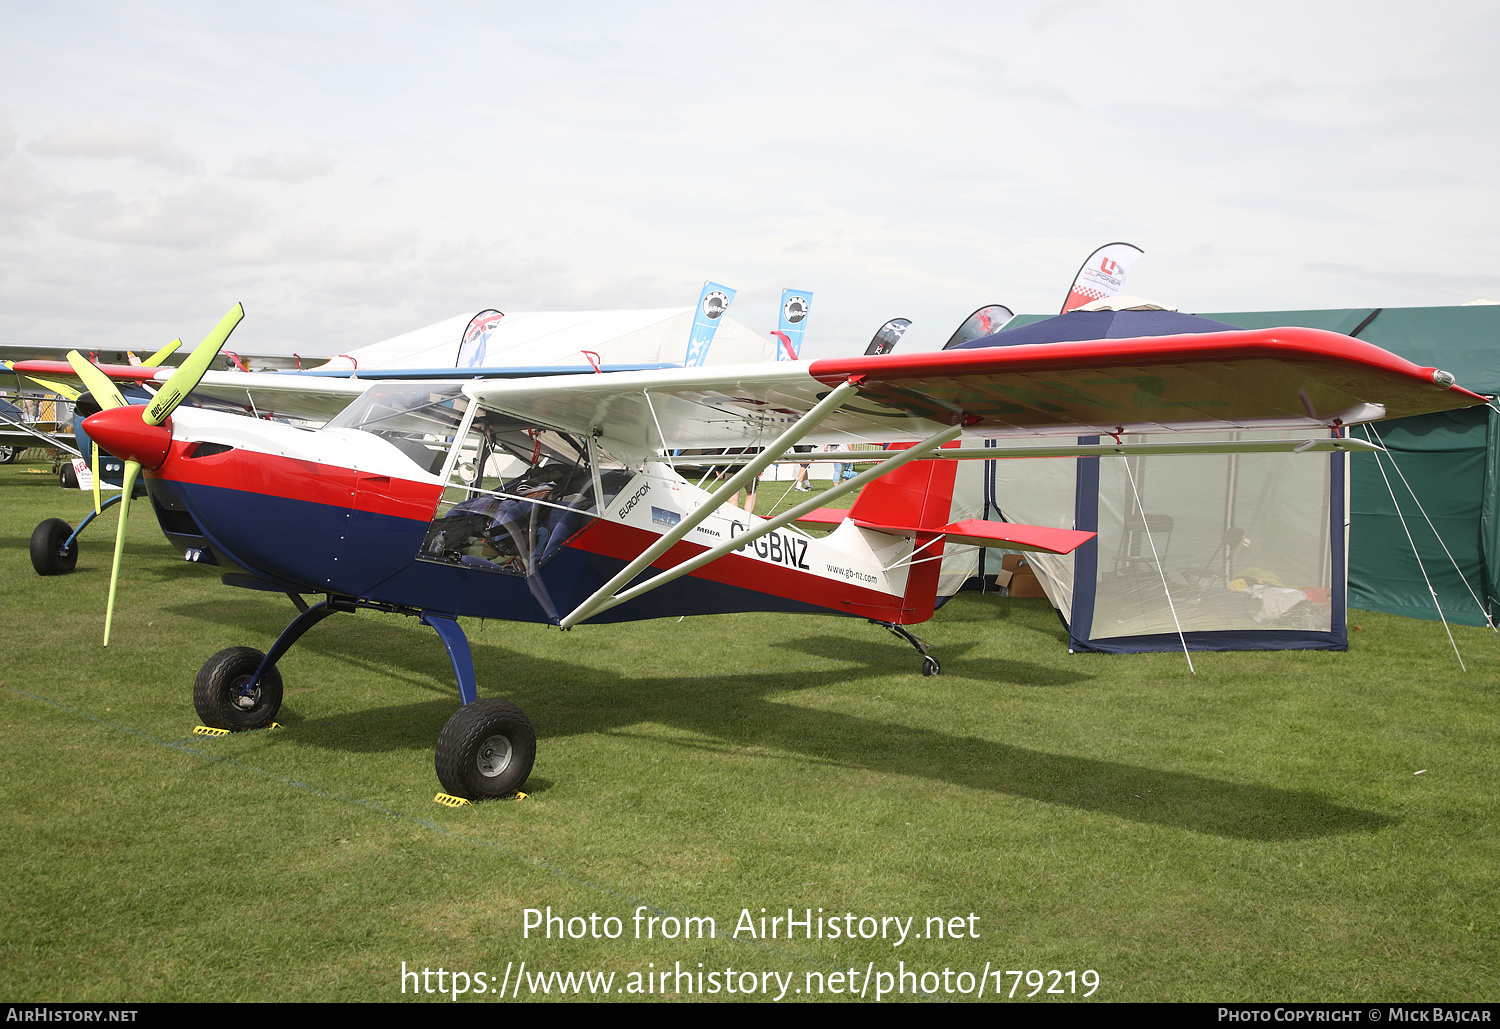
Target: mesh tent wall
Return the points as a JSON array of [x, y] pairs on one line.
[[1240, 551]]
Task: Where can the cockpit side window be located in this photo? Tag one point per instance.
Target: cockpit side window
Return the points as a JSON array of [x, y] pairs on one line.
[[517, 493]]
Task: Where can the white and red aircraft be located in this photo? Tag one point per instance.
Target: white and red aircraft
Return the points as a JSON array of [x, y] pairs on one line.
[[548, 499]]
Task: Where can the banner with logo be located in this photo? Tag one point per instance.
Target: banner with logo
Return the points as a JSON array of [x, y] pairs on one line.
[[476, 337], [712, 303], [984, 322], [887, 336], [1102, 275], [795, 305]]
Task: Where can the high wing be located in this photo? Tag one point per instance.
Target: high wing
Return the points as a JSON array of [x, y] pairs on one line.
[[313, 396], [271, 394], [1286, 378]]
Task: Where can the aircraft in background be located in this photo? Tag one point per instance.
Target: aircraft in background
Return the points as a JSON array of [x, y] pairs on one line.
[[547, 499]]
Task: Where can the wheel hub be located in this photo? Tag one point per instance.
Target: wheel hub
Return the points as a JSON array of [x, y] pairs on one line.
[[243, 696], [493, 757]]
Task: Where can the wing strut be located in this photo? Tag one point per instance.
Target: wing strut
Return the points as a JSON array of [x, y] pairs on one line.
[[602, 600]]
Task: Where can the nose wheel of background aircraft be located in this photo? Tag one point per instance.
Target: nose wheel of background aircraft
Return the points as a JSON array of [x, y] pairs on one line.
[[54, 548]]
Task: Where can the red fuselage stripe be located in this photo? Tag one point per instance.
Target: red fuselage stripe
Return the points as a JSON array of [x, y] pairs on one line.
[[294, 479], [626, 542]]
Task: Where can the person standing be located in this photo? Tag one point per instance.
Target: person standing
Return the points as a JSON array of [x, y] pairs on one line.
[[802, 485]]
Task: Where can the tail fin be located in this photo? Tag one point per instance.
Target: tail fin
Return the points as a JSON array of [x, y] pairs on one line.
[[918, 494]]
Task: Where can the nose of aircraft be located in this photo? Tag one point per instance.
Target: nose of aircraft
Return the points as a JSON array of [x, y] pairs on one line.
[[122, 432]]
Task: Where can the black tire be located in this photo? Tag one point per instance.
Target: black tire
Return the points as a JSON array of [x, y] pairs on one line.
[[486, 750], [67, 477], [8, 455], [48, 556], [220, 692], [930, 665]]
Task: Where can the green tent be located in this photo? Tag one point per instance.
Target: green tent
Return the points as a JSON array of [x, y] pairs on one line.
[[1450, 463]]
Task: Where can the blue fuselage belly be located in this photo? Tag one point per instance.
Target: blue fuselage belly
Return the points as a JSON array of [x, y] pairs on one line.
[[325, 549]]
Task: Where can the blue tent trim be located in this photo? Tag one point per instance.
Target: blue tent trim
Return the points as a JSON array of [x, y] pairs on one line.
[[1081, 326], [1236, 639]]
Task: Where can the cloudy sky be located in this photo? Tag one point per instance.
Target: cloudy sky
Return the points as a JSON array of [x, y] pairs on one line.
[[354, 170]]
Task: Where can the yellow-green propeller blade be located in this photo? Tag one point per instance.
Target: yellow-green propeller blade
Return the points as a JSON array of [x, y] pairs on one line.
[[186, 378], [132, 469], [61, 389], [155, 360], [97, 508], [100, 385]]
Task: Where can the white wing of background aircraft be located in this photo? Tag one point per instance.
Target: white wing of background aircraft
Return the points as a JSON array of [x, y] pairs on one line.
[[523, 344]]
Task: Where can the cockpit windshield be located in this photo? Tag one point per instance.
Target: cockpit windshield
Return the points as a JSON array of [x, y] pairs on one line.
[[420, 421]]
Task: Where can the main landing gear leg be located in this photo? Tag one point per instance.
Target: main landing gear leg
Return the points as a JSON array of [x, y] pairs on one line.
[[930, 664], [488, 747], [240, 688]]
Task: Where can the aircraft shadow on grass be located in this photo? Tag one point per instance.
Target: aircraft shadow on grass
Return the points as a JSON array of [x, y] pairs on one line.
[[566, 699]]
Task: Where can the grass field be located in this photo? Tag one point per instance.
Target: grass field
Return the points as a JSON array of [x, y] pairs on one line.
[[1255, 832]]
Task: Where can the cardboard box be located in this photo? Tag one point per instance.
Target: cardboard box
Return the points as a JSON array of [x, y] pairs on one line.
[[1024, 583]]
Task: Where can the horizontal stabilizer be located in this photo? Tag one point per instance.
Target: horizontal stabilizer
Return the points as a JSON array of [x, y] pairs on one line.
[[824, 516], [973, 532], [976, 532]]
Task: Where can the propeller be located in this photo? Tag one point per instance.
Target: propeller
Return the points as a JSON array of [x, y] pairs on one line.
[[62, 389], [96, 380], [161, 355], [105, 393], [144, 439]]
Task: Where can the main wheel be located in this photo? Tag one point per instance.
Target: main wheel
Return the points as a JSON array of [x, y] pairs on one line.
[[486, 750], [67, 477], [48, 554], [222, 694]]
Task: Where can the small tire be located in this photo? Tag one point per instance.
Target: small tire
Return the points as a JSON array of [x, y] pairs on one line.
[[222, 696], [48, 555], [486, 750], [67, 478], [930, 665]]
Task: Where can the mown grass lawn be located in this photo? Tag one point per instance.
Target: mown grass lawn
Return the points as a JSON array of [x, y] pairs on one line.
[[1255, 832]]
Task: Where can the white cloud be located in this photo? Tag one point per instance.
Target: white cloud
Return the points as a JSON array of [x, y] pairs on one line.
[[194, 218], [97, 138], [281, 167]]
